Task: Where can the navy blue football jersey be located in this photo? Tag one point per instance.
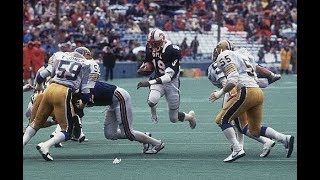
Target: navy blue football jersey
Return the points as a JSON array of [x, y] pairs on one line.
[[168, 57], [102, 93]]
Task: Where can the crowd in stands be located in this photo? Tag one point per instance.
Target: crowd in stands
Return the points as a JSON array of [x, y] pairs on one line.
[[100, 23]]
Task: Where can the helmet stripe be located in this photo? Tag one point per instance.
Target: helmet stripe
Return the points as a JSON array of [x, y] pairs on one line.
[[229, 45], [152, 34]]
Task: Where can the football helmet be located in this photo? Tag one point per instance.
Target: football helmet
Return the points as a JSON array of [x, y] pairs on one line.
[[156, 39], [84, 52], [221, 46]]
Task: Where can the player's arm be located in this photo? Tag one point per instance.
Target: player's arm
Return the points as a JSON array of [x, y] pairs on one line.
[[94, 74], [86, 95], [266, 73], [41, 77]]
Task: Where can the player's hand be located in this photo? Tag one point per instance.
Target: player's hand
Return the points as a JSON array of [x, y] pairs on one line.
[[143, 84], [215, 95]]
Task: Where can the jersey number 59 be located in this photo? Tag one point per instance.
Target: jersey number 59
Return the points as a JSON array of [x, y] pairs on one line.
[[68, 70]]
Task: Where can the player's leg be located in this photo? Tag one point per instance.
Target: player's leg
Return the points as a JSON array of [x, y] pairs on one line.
[[255, 128], [123, 113], [232, 109], [111, 126], [38, 118], [237, 128], [286, 140], [56, 130], [61, 100], [230, 134], [155, 93], [172, 94], [241, 124], [77, 131]]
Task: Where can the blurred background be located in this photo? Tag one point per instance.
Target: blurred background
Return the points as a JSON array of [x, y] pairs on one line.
[[116, 31]]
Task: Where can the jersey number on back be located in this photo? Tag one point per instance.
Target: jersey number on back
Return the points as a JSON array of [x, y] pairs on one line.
[[68, 70], [250, 69]]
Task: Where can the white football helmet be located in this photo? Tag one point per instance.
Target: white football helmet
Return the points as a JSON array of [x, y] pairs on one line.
[[156, 39], [84, 52]]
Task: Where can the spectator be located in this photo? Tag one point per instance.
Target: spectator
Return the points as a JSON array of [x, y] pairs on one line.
[[109, 60], [293, 60], [38, 57], [261, 55], [27, 56], [184, 48], [285, 55], [194, 47]]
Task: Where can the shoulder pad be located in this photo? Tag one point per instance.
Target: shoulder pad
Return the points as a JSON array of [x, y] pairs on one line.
[[166, 45]]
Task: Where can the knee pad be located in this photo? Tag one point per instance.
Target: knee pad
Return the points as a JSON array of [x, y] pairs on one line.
[[154, 97], [110, 135]]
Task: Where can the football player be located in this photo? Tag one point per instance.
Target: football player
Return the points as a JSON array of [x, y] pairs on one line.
[[119, 118], [165, 57], [93, 76], [69, 73], [217, 78], [247, 101], [77, 129]]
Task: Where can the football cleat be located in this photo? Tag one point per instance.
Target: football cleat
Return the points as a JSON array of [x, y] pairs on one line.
[[44, 151], [192, 121], [58, 145], [146, 146], [274, 78], [289, 145], [155, 149], [267, 148], [235, 155]]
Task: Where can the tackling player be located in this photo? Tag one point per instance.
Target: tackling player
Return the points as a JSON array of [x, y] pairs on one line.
[[119, 117], [248, 101], [69, 73], [165, 57]]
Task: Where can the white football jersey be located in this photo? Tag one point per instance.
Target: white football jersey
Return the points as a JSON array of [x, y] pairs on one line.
[[94, 72], [216, 76], [70, 70], [238, 68]]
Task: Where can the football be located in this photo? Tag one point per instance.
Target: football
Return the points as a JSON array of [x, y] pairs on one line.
[[146, 69]]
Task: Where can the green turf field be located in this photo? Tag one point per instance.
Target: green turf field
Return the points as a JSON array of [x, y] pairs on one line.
[[189, 154]]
